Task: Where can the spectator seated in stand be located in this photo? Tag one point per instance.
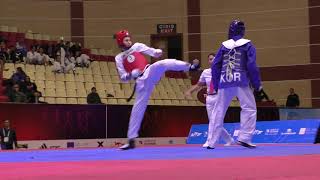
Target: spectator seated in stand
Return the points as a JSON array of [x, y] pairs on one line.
[[83, 60], [19, 76], [16, 96], [64, 63], [32, 56], [3, 51], [42, 58], [93, 97], [14, 55]]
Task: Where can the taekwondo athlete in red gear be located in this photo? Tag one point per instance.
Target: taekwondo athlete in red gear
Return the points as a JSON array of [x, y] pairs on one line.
[[131, 64]]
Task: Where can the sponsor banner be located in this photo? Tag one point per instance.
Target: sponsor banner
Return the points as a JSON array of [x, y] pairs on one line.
[[117, 142], [99, 143], [290, 131], [296, 114]]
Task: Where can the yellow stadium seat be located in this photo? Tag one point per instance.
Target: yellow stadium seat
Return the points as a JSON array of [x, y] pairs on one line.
[[7, 74], [82, 100], [95, 64], [105, 71], [112, 101], [172, 81], [102, 93], [50, 84], [180, 81], [79, 70], [40, 76], [50, 76], [60, 100], [105, 101], [60, 85], [87, 71], [192, 103], [81, 93], [167, 102], [125, 86], [31, 75], [119, 94], [60, 77], [111, 65], [96, 71], [122, 101], [40, 84], [184, 103], [107, 79], [61, 93], [171, 95], [50, 100], [88, 78], [113, 72], [180, 95], [151, 102], [50, 92], [80, 85], [187, 81], [30, 68], [116, 87], [103, 64], [89, 85], [115, 79], [79, 78], [72, 101], [71, 93], [176, 102], [40, 68], [158, 102], [163, 95], [97, 78], [69, 77], [71, 85], [9, 66], [99, 86]]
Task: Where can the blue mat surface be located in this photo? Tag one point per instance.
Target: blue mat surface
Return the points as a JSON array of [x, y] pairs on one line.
[[156, 153]]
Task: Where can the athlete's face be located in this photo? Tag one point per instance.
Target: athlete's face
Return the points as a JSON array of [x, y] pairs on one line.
[[127, 42], [210, 59]]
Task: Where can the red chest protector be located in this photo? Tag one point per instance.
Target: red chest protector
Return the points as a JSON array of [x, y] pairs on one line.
[[135, 61]]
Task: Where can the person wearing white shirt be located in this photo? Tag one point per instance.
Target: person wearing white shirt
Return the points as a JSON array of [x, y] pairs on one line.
[[211, 99], [32, 56]]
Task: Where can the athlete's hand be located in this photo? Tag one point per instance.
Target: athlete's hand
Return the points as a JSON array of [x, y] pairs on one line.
[[135, 73], [158, 53]]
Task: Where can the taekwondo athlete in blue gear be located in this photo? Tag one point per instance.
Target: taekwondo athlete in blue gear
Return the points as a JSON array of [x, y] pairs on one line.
[[234, 71]]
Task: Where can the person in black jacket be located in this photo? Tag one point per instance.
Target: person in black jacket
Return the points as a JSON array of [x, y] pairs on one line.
[[292, 99], [8, 137], [93, 97]]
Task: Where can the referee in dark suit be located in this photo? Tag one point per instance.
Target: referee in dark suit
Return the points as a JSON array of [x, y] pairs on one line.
[[8, 137]]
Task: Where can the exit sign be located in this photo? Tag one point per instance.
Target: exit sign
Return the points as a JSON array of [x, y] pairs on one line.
[[166, 28]]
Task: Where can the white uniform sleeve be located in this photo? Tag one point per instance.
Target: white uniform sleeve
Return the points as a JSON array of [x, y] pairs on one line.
[[124, 76], [30, 56], [202, 78], [146, 50]]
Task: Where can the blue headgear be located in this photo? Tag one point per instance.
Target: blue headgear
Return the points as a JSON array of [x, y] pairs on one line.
[[236, 29]]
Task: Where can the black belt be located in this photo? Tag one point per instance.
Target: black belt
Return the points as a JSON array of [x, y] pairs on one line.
[[135, 85]]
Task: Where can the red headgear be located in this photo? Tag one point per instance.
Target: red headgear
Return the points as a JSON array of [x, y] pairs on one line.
[[119, 36]]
